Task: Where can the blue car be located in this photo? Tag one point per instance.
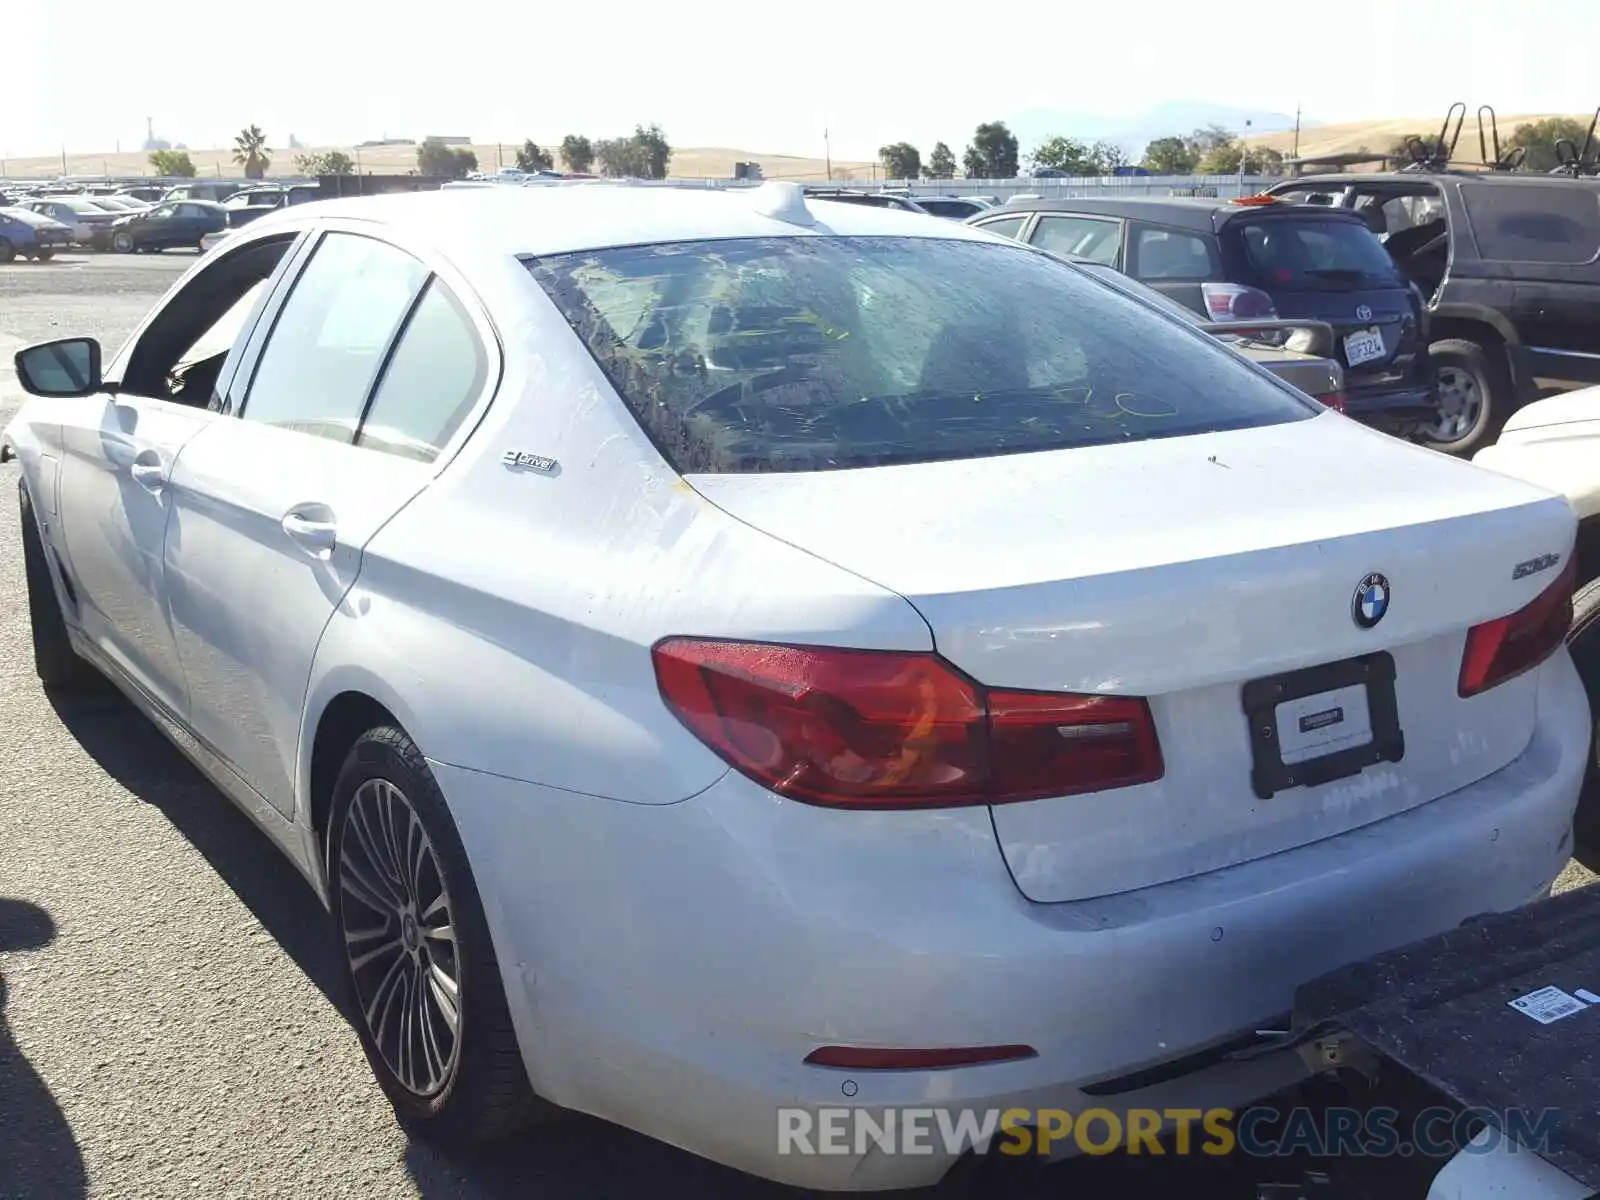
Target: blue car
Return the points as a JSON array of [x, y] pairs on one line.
[[31, 234]]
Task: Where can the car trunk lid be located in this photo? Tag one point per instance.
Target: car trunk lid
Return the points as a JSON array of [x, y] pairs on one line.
[[1181, 570]]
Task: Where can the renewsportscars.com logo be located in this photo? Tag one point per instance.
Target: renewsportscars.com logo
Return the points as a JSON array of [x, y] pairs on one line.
[[1258, 1132]]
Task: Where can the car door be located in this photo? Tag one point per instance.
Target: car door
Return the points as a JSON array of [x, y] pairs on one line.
[[367, 372], [115, 497]]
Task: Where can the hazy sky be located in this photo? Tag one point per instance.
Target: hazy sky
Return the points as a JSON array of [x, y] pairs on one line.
[[756, 76]]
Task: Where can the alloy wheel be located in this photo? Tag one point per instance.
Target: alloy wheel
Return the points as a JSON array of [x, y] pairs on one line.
[[400, 940], [1460, 405]]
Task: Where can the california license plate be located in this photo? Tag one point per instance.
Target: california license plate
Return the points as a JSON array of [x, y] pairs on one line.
[[1363, 346]]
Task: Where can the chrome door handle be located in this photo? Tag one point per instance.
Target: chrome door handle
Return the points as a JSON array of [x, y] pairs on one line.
[[148, 474], [317, 537]]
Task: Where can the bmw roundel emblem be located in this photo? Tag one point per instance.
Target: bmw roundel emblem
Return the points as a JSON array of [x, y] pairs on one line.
[[1363, 312], [1371, 600]]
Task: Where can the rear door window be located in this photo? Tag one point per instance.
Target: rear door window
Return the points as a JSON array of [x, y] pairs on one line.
[[1172, 254], [1096, 238], [820, 353], [1553, 223], [431, 382], [333, 335], [1010, 227], [1311, 253]]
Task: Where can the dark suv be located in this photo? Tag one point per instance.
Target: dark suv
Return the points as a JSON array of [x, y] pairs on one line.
[[1510, 266], [1258, 258]]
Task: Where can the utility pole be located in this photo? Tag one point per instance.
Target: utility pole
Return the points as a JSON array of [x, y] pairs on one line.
[[1296, 153], [63, 160], [827, 154]]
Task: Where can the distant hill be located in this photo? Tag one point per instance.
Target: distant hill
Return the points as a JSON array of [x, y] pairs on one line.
[[1174, 118], [1379, 136]]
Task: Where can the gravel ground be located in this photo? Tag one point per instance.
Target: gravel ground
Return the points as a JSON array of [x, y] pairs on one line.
[[165, 1021]]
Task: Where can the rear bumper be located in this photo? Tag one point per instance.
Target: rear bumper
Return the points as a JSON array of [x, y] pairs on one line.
[[670, 966]]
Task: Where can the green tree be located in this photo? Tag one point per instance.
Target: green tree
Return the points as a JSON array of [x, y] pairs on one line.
[[1232, 157], [1170, 156], [331, 162], [1106, 157], [577, 153], [436, 159], [1539, 138], [655, 154], [251, 152], [172, 164], [1060, 154], [1210, 137], [901, 160], [645, 155], [531, 158], [615, 157], [993, 152], [941, 163]]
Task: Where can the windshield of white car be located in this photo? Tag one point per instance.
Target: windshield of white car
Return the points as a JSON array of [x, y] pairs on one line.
[[821, 353]]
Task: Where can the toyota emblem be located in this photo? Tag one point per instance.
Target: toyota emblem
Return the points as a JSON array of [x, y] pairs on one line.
[[1363, 313]]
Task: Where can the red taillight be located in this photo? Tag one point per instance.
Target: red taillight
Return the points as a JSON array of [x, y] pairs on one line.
[[1237, 302], [862, 1058], [1334, 400], [881, 729], [1261, 199], [1503, 648]]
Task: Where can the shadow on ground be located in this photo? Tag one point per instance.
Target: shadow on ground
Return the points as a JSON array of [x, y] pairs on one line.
[[131, 750], [39, 1155]]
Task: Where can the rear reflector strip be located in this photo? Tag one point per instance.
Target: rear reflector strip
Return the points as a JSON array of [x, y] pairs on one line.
[[858, 1058]]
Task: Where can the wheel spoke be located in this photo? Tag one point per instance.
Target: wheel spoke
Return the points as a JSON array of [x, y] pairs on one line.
[[418, 853], [428, 1006], [446, 995], [440, 933], [372, 851], [392, 946], [406, 1066], [364, 888], [378, 1008]]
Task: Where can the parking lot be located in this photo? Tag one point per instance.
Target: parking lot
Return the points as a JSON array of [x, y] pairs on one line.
[[166, 1027]]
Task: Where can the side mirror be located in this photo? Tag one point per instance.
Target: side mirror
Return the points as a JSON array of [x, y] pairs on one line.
[[69, 367]]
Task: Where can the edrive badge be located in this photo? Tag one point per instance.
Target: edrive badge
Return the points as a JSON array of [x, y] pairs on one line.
[[1371, 600]]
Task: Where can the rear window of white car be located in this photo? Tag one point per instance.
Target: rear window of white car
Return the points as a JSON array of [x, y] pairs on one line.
[[820, 353]]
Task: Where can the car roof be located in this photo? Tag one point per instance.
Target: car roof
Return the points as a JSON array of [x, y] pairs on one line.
[[558, 220], [1183, 212], [1493, 178]]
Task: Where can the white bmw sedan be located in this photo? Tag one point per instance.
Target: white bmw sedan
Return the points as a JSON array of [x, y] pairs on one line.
[[723, 652]]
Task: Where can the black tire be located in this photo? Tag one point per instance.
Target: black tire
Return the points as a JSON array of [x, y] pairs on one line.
[[122, 242], [58, 666], [485, 1095], [1583, 641], [1483, 370], [7, 250]]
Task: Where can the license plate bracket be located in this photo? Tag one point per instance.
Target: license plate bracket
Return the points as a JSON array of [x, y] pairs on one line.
[[1267, 700]]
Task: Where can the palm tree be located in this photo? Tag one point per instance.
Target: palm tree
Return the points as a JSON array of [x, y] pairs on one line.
[[250, 151]]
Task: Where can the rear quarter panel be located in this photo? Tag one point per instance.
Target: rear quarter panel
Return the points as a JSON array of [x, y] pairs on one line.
[[506, 615]]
